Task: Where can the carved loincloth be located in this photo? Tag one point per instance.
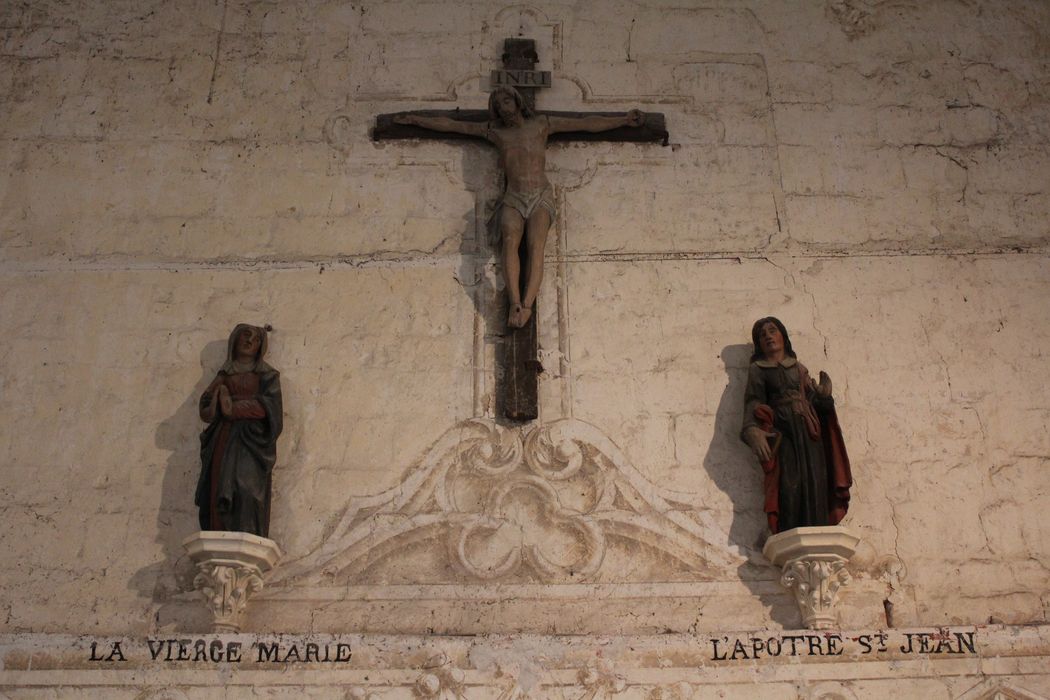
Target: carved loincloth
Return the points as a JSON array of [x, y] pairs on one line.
[[525, 203]]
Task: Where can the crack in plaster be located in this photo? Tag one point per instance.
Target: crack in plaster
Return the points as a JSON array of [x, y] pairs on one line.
[[773, 139], [218, 52], [896, 527], [804, 288], [118, 263], [790, 276], [630, 38], [956, 160], [816, 312]]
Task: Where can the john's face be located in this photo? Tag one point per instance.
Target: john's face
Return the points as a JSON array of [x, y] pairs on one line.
[[506, 107], [247, 343], [770, 339]]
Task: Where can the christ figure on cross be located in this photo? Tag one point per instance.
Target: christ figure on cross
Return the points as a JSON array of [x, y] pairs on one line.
[[527, 204]]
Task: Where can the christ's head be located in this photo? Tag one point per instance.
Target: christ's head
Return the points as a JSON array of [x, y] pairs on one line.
[[505, 102]]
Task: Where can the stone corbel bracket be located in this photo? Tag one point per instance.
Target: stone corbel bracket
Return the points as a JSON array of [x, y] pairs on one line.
[[230, 568], [813, 560]]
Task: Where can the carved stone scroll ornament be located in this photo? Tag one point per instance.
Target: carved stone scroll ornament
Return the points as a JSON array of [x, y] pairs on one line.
[[601, 680], [997, 689], [814, 568], [152, 694], [440, 679], [546, 507], [230, 569], [528, 549]]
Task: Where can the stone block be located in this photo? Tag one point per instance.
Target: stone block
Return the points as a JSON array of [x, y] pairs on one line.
[[821, 125], [1019, 170], [937, 169], [384, 68], [842, 169], [413, 19], [742, 80], [598, 36], [719, 221], [836, 222], [996, 87], [920, 84], [681, 33], [799, 81], [954, 125], [609, 83], [745, 125]]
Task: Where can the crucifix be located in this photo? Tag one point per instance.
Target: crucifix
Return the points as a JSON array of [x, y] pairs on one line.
[[520, 134]]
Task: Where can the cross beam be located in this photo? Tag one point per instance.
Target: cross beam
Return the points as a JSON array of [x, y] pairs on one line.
[[652, 131]]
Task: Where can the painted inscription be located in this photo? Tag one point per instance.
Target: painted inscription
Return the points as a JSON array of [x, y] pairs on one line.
[[521, 78], [216, 650], [942, 641], [721, 649]]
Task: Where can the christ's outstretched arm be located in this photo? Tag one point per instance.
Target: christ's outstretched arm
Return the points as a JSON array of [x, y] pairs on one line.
[[595, 123], [444, 124]]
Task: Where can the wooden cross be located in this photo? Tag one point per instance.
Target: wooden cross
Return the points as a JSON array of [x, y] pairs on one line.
[[521, 364]]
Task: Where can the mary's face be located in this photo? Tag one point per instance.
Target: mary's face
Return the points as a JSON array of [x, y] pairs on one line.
[[247, 343], [770, 339]]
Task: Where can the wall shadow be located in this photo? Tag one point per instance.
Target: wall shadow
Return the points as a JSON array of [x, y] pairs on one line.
[[169, 581], [479, 259], [735, 471], [481, 252], [478, 272]]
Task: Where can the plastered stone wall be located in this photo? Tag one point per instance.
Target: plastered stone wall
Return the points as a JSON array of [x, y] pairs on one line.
[[875, 174]]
